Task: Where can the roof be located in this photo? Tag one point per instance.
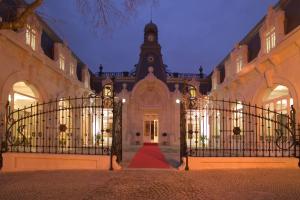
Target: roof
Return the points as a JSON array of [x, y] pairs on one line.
[[252, 39]]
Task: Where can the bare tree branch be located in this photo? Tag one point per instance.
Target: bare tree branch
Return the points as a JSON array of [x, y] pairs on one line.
[[106, 13], [21, 19]]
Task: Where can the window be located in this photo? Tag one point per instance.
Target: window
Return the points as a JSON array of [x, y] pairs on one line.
[[238, 115], [24, 98], [31, 37], [65, 123], [22, 95], [270, 39], [239, 64], [280, 101], [214, 83], [72, 69], [61, 62]]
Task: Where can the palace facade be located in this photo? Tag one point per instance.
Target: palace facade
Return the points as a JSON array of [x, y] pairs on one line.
[[37, 66]]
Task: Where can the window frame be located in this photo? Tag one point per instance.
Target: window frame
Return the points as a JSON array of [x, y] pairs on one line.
[[62, 62], [270, 39], [239, 64], [31, 36]]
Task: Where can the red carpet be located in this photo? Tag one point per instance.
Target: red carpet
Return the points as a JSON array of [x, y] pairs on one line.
[[149, 156]]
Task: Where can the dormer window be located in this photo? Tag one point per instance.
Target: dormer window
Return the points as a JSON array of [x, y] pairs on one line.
[[61, 62], [239, 64], [270, 39], [214, 83], [31, 37], [72, 69]]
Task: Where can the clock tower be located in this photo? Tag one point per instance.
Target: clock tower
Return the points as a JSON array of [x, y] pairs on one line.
[[151, 55]]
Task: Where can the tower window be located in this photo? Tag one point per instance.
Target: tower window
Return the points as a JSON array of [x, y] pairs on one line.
[[270, 39], [108, 91], [61, 62], [31, 37]]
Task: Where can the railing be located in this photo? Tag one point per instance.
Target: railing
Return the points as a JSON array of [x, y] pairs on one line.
[[130, 74], [66, 126], [183, 75], [221, 128]]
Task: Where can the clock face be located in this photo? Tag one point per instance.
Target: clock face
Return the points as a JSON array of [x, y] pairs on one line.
[[150, 59], [151, 38]]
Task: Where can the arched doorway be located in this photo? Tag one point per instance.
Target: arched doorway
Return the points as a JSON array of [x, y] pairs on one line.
[[23, 99], [149, 111]]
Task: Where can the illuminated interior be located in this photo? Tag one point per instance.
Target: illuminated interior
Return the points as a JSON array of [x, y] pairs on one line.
[[22, 95], [279, 100], [103, 134], [198, 127]]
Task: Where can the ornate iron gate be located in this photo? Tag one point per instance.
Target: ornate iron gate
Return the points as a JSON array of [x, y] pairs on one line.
[[221, 128], [87, 125]]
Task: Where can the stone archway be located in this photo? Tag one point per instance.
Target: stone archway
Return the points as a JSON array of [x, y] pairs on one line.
[[149, 110]]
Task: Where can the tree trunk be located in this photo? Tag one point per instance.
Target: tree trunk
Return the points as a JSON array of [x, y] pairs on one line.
[[21, 20]]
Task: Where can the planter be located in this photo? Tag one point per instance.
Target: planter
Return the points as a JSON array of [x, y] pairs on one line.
[[165, 138], [137, 134]]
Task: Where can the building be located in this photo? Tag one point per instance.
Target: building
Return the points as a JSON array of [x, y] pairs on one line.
[[39, 72], [151, 94], [262, 68]]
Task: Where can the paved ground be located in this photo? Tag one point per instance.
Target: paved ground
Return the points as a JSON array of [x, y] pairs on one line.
[[152, 184]]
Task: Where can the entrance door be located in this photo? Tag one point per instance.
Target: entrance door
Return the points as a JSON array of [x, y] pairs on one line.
[[151, 131]]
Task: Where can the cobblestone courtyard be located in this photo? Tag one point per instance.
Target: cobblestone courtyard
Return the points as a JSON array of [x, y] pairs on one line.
[[152, 184]]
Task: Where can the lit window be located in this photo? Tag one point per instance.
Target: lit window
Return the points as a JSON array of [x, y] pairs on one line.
[[22, 95], [72, 69], [238, 115], [214, 83], [31, 36], [108, 91], [280, 101], [62, 62], [270, 39], [239, 64]]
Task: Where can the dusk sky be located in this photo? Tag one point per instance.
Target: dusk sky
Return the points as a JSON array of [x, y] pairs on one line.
[[191, 32]]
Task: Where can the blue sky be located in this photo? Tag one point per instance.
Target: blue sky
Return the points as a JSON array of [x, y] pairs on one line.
[[191, 32]]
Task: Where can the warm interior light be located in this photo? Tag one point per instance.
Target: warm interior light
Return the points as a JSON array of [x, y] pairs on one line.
[[123, 100], [178, 101]]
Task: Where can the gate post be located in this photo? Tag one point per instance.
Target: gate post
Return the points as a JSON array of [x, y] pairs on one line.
[[187, 162], [295, 133], [1, 139], [3, 131], [112, 150]]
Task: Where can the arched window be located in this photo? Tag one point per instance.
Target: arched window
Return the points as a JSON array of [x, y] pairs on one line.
[[279, 99], [22, 95]]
